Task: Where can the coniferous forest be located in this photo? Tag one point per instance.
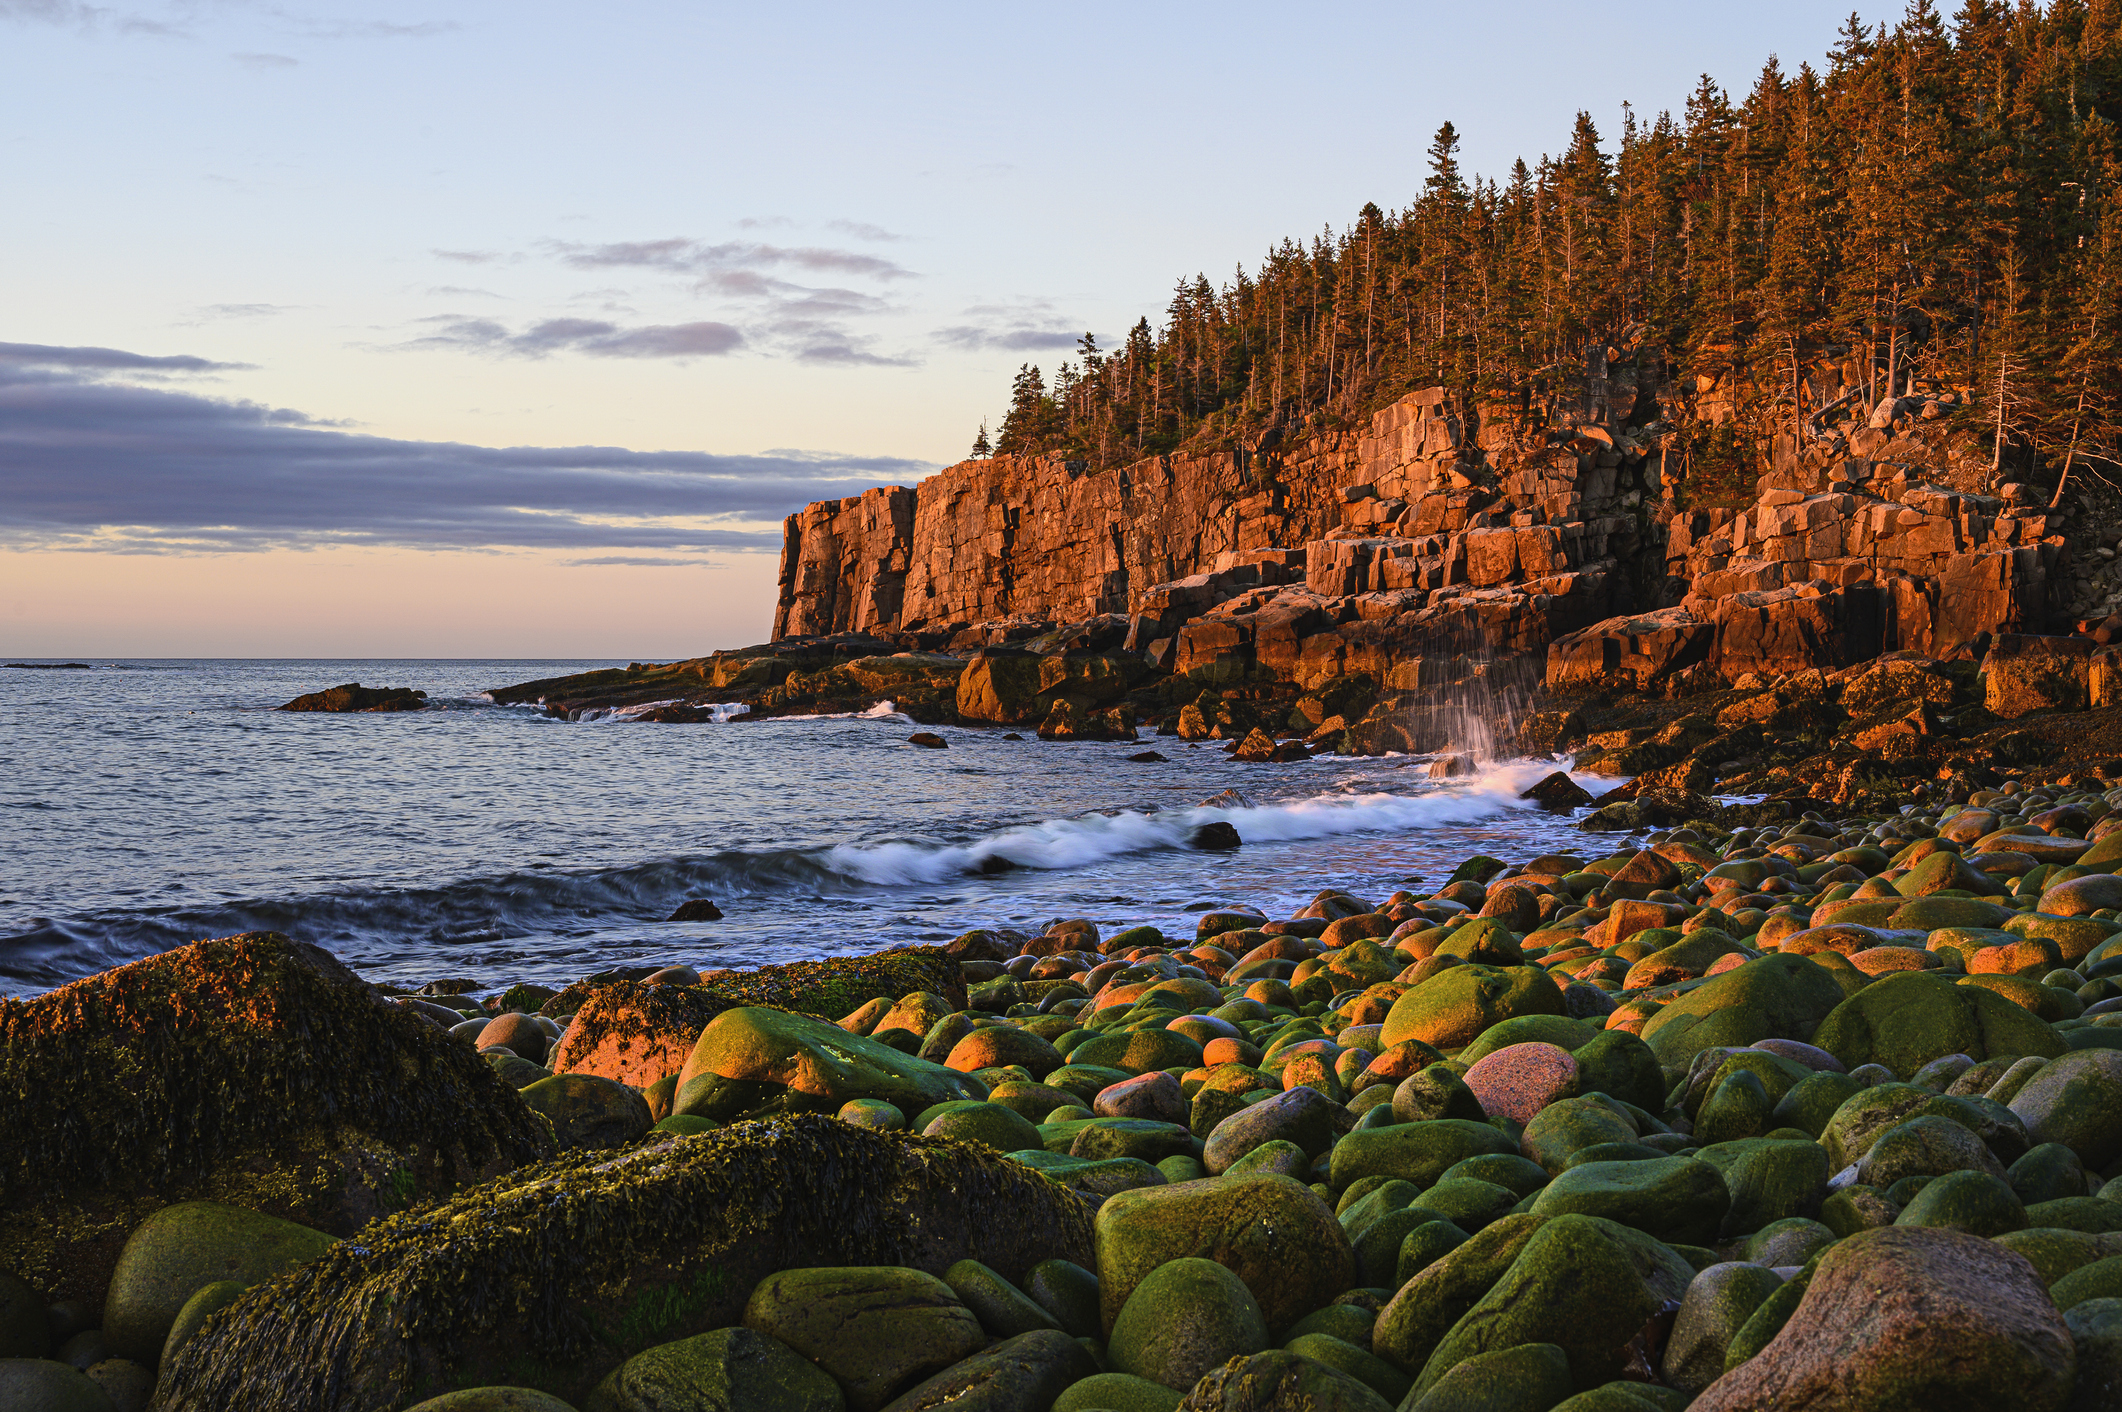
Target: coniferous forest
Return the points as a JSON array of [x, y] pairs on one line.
[[1938, 200]]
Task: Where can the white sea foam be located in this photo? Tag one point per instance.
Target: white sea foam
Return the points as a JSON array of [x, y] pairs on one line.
[[718, 711], [1074, 843]]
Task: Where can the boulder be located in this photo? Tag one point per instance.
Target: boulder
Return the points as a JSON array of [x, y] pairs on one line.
[[1029, 1370], [1584, 1284], [756, 1061], [684, 1230], [1453, 1007], [1776, 997], [587, 1111], [878, 1330], [637, 1034], [1185, 1318], [1916, 1318], [725, 1369], [1905, 1020], [251, 1070], [1281, 1381], [1679, 1200], [1273, 1234], [2076, 1100], [181, 1248]]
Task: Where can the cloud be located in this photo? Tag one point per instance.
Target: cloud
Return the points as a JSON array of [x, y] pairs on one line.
[[92, 462], [86, 17], [863, 230], [265, 63], [104, 360], [593, 337], [312, 27], [681, 255], [239, 311], [470, 257], [1027, 326], [636, 561], [462, 292]]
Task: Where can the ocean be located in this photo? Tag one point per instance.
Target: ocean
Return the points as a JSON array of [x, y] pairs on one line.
[[148, 803]]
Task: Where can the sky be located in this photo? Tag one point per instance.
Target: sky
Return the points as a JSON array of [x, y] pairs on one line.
[[514, 329]]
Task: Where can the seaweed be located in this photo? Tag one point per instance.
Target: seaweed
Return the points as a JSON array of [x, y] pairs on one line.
[[562, 1270]]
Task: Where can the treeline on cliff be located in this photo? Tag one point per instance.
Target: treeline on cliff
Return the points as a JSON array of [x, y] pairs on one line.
[[1940, 203]]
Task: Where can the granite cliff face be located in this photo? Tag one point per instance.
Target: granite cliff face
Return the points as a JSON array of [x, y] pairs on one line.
[[1563, 536]]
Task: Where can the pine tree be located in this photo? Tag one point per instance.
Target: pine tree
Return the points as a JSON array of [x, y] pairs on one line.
[[981, 449]]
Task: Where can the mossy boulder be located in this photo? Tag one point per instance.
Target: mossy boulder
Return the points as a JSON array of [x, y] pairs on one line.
[[1455, 1006], [501, 1399], [1584, 1284], [1029, 1370], [1976, 1202], [1117, 1392], [1416, 1319], [1620, 1065], [1670, 1198], [1414, 1152], [877, 1330], [250, 1070], [1272, 1233], [587, 1111], [1904, 1021], [1281, 1381], [1718, 1302], [1770, 1180], [1301, 1116], [971, 1120], [181, 1248], [1187, 1316], [2076, 1100], [46, 1385], [555, 1275], [727, 1368], [1139, 1051], [1776, 997], [753, 1062], [1561, 1130]]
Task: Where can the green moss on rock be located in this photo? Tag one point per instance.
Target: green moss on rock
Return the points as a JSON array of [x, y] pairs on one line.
[[555, 1274]]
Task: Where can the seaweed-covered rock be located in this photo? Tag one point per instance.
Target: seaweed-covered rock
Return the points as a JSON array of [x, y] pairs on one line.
[[756, 1061], [45, 1385], [635, 1033], [1273, 1234], [1678, 1199], [1530, 1377], [252, 1070], [1719, 1300], [1904, 1021], [828, 989], [556, 1274], [1911, 1318]]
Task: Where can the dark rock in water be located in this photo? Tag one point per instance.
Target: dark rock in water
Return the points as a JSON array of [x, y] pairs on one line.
[[1148, 757], [1451, 767], [1558, 792], [1011, 735], [1218, 835], [254, 1070], [994, 864], [51, 666], [355, 697], [696, 909], [685, 1229], [1227, 799], [928, 740]]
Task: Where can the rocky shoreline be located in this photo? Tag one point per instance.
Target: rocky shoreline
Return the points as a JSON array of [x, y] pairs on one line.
[[1763, 1108]]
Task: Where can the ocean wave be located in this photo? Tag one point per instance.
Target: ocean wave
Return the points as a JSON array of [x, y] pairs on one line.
[[474, 913]]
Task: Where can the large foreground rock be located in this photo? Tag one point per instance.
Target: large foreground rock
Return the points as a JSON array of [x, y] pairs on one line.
[[559, 1273], [251, 1070], [1911, 1319]]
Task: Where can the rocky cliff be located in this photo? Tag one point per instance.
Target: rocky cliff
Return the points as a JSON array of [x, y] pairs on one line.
[[1577, 533]]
